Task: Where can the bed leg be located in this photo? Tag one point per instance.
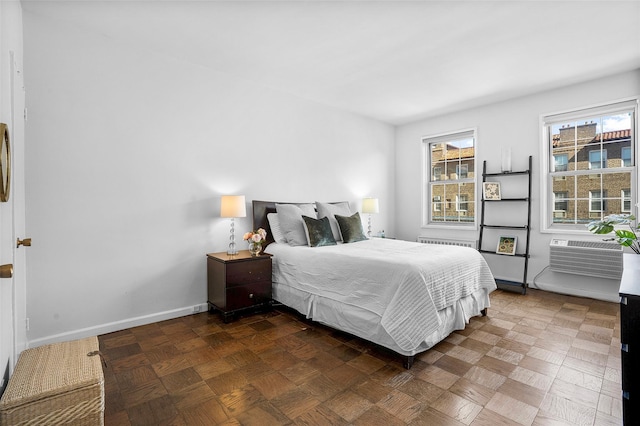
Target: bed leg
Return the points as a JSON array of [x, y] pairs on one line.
[[407, 362], [484, 312]]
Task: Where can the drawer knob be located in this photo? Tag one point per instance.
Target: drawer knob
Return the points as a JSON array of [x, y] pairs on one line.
[[251, 296]]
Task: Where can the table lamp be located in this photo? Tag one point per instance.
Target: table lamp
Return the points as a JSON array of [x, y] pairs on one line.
[[369, 206], [232, 206]]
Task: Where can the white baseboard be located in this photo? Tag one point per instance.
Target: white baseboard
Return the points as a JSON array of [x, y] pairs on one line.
[[118, 325]]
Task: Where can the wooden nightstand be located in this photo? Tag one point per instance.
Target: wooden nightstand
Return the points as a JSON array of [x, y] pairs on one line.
[[238, 282]]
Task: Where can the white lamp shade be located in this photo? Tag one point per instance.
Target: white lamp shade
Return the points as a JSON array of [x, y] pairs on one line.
[[233, 206], [370, 205]]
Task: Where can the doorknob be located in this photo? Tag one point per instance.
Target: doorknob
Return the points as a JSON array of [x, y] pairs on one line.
[[26, 242], [6, 271]]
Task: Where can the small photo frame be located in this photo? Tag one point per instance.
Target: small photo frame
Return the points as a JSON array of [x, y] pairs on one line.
[[491, 190], [507, 245]]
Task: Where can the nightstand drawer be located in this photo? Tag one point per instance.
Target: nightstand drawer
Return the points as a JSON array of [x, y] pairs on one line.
[[241, 273], [244, 296]]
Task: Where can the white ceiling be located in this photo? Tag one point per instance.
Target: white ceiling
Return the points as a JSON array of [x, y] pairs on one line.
[[395, 61]]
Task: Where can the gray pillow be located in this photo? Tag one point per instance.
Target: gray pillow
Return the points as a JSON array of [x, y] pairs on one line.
[[351, 228], [291, 223], [318, 232], [276, 232], [330, 210]]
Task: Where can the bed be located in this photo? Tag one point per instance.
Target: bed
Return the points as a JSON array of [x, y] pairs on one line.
[[404, 296]]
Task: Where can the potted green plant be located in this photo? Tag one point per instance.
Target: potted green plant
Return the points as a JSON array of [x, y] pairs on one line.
[[624, 237]]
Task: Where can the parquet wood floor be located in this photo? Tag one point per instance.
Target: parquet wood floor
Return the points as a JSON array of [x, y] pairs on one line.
[[538, 359]]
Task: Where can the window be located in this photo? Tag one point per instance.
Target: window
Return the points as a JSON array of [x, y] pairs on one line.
[[597, 159], [462, 203], [590, 166], [437, 204], [561, 161], [560, 203], [625, 196], [462, 171], [437, 172], [626, 156], [450, 182], [596, 202]]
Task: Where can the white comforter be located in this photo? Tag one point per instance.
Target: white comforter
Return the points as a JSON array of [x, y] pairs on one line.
[[404, 283]]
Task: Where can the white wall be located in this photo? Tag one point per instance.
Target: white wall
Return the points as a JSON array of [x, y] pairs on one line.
[[514, 124], [128, 154]]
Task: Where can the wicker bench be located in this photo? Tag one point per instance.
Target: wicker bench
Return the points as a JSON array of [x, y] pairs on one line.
[[56, 384]]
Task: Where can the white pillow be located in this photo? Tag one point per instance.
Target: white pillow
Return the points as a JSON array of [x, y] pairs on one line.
[[276, 232], [330, 211], [291, 223]]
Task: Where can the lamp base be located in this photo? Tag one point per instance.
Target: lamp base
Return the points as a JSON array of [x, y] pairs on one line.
[[232, 248], [232, 239]]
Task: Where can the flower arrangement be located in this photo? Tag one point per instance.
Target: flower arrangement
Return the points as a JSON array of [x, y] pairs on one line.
[[257, 237], [624, 237], [255, 240]]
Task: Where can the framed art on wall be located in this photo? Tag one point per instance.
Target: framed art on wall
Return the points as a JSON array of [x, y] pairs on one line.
[[507, 245], [491, 190]]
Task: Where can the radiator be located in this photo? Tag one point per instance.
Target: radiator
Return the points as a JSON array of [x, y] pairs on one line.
[[447, 242], [591, 258]]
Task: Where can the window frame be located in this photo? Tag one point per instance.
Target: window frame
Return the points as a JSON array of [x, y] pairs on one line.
[[547, 200], [427, 195]]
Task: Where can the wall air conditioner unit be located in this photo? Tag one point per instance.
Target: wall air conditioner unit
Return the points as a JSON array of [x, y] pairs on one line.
[[591, 258]]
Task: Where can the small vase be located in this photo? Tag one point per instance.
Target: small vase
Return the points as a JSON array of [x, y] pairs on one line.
[[255, 248]]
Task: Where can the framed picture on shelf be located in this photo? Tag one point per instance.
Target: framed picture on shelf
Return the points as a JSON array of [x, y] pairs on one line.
[[491, 190], [507, 245]]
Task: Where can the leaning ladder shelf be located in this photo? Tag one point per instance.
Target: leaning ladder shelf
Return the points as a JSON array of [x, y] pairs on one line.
[[508, 284]]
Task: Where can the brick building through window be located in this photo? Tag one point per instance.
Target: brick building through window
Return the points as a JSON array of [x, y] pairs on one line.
[[591, 173], [452, 183]]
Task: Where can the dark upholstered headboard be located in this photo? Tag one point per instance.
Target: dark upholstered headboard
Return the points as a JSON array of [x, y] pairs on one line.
[[260, 211]]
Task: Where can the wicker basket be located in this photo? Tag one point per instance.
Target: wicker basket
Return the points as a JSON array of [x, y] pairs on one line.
[[56, 384]]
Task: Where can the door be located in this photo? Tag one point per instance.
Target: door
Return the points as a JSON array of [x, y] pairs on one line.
[[12, 288], [17, 201], [7, 343]]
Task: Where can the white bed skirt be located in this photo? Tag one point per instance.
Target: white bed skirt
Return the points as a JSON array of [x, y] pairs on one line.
[[367, 325]]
